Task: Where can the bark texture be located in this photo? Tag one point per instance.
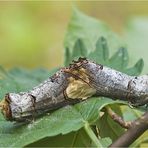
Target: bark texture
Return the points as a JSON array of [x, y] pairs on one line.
[[72, 84]]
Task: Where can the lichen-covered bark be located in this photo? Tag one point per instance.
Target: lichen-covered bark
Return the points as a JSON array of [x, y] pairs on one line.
[[70, 85]]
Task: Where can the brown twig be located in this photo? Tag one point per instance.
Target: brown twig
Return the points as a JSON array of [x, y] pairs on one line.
[[118, 119], [138, 127]]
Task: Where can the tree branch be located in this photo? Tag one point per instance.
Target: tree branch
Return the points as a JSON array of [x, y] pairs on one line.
[[138, 127], [72, 84]]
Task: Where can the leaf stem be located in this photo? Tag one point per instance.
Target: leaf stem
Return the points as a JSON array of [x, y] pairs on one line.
[[92, 135]]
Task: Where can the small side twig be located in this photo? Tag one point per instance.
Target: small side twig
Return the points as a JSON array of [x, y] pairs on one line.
[[118, 119], [138, 127]]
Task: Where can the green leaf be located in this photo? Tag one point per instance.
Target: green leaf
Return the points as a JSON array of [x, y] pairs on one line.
[[136, 35], [129, 114], [67, 57], [79, 50], [112, 129], [106, 141], [62, 121], [84, 27], [120, 59], [89, 30], [92, 135], [108, 128], [18, 79], [136, 69], [101, 53], [94, 34], [73, 139]]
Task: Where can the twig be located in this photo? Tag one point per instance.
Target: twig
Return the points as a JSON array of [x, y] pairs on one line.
[[118, 119], [138, 127]]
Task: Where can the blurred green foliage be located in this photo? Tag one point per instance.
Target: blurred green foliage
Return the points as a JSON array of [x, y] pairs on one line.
[[31, 33]]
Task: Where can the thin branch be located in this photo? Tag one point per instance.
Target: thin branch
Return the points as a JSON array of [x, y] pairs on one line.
[[138, 127], [118, 119]]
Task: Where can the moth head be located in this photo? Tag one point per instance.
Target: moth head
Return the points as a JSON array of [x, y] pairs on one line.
[[5, 107], [15, 106]]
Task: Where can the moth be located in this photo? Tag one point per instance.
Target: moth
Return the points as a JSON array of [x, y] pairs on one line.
[[73, 84]]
